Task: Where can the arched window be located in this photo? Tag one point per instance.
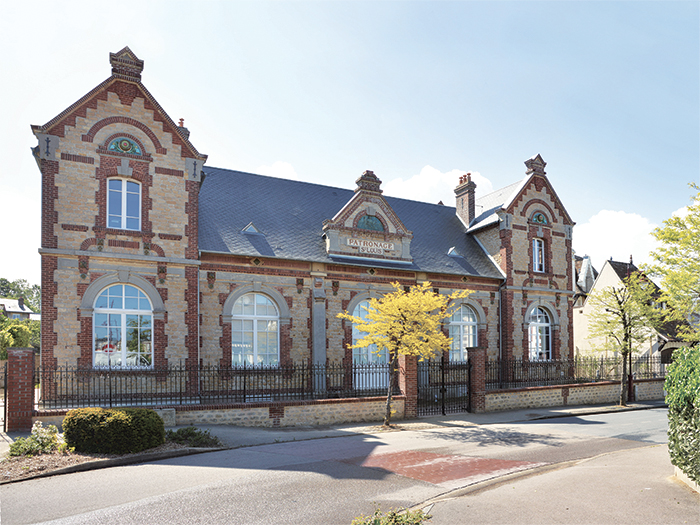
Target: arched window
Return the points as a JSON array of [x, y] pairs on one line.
[[254, 331], [463, 330], [123, 204], [122, 328], [540, 335], [368, 354]]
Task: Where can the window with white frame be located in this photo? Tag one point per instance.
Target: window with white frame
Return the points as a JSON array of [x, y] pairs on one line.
[[539, 335], [463, 330], [123, 204], [538, 255], [368, 354], [122, 328], [254, 331]]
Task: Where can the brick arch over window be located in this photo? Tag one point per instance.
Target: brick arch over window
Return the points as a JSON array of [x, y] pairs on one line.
[[277, 298], [541, 204], [478, 310], [97, 126], [105, 143], [94, 289]]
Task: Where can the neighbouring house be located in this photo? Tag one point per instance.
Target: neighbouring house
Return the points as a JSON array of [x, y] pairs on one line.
[[586, 275], [151, 258], [662, 340], [17, 309]]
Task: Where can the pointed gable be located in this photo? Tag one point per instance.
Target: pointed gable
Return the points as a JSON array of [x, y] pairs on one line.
[[367, 226], [524, 202], [125, 83]]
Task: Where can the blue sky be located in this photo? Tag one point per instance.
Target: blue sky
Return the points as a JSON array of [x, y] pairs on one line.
[[419, 92]]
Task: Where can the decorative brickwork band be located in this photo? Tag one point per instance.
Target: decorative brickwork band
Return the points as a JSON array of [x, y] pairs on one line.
[[20, 389]]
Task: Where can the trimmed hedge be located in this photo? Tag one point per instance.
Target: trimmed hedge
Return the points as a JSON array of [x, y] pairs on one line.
[[113, 431], [683, 397]]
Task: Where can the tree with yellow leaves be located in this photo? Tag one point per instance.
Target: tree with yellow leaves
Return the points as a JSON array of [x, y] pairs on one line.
[[405, 323]]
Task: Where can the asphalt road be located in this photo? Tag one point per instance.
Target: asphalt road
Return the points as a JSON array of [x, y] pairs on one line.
[[328, 481]]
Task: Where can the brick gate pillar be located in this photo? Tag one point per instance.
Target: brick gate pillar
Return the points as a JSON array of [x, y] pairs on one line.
[[477, 384], [20, 389], [408, 384]]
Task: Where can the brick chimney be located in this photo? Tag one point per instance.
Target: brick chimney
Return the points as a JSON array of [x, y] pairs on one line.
[[465, 198], [20, 302]]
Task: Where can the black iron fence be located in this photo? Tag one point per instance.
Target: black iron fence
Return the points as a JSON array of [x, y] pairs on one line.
[[71, 387], [518, 373], [443, 387]]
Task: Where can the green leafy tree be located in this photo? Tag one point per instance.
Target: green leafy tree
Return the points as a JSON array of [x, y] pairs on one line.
[[405, 323], [622, 318], [21, 288], [677, 264], [13, 333]]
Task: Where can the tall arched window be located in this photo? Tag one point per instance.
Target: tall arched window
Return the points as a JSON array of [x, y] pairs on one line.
[[463, 330], [123, 204], [122, 328], [254, 331], [368, 354], [540, 335]]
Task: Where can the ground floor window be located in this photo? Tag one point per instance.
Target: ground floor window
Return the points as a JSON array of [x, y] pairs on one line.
[[122, 328], [539, 331], [254, 331], [463, 330], [368, 354]]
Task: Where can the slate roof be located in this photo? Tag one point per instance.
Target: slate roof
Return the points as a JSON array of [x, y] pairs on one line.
[[488, 205], [290, 214]]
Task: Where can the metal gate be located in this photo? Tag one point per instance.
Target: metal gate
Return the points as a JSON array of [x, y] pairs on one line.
[[443, 387]]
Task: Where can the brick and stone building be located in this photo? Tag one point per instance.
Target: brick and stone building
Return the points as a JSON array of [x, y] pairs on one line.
[[150, 258]]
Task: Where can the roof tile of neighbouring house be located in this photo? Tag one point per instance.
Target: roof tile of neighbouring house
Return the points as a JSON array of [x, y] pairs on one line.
[[623, 269], [13, 306], [289, 216]]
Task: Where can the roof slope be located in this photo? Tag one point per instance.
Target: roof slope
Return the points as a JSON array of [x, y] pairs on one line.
[[489, 204], [289, 215]]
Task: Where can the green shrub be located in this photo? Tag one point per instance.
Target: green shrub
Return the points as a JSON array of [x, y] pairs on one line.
[[193, 437], [683, 397], [40, 441], [393, 517], [113, 431]]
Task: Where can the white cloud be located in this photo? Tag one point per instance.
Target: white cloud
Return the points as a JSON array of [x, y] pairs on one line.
[[431, 185], [281, 170], [615, 234]]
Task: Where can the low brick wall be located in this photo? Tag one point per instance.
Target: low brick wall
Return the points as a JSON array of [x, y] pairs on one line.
[[294, 413], [562, 395]]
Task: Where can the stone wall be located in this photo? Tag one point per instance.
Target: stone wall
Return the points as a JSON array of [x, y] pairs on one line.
[[298, 413], [563, 395]]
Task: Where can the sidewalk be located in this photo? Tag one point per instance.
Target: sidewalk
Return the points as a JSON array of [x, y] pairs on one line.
[[234, 436]]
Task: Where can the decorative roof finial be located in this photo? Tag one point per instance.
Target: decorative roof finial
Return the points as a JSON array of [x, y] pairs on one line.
[[126, 65], [368, 182]]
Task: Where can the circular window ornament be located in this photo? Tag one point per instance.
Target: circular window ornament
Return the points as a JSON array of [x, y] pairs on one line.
[[124, 145], [539, 218]]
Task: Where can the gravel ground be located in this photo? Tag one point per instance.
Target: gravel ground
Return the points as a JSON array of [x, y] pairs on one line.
[[17, 468]]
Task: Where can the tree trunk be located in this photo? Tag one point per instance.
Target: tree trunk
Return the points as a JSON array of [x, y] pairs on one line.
[[623, 382], [392, 379]]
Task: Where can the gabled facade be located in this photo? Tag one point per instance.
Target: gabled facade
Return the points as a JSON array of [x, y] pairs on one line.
[[150, 258]]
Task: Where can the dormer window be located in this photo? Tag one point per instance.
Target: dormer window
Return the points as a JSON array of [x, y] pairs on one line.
[[124, 145], [370, 222]]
